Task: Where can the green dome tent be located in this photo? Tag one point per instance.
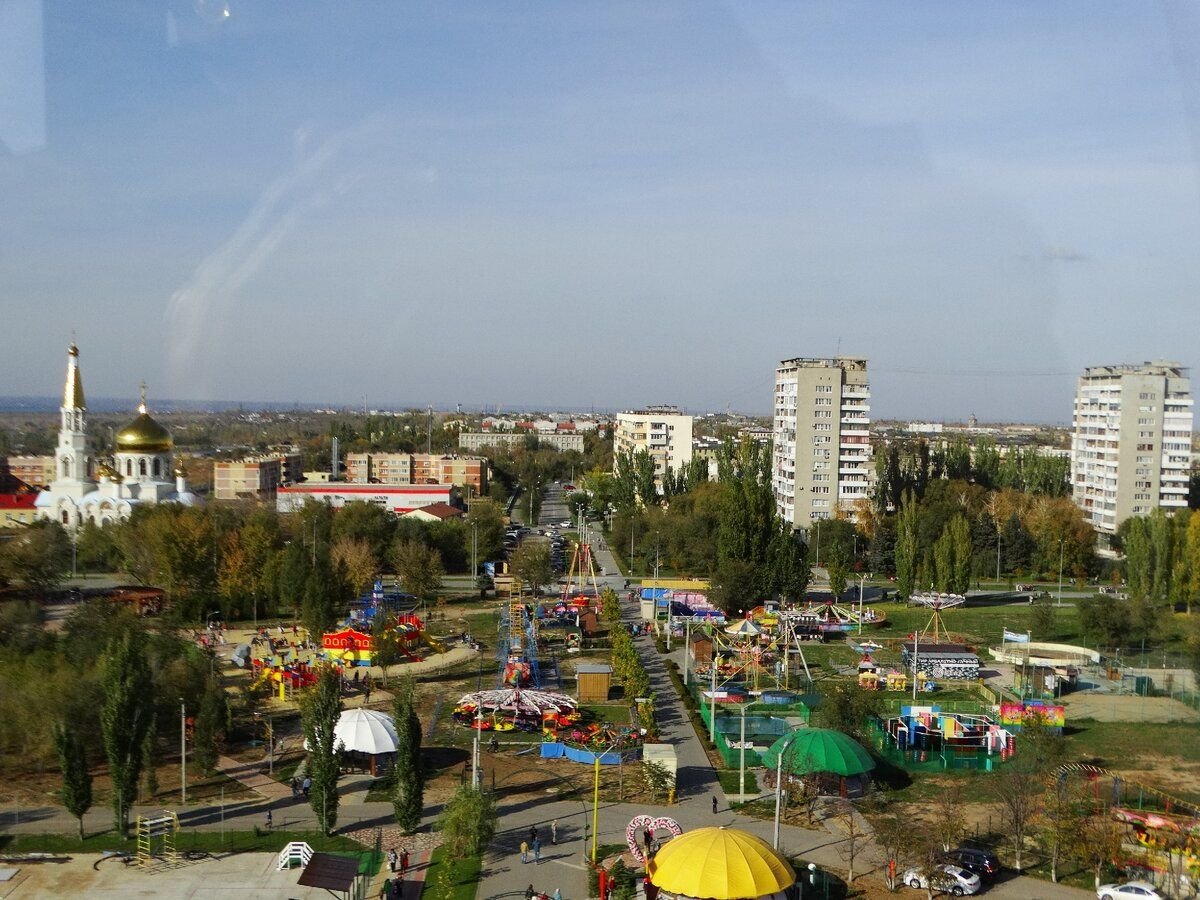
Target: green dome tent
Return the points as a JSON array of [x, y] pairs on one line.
[[819, 750]]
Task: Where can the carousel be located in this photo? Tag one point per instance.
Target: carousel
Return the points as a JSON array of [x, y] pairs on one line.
[[720, 864], [511, 709]]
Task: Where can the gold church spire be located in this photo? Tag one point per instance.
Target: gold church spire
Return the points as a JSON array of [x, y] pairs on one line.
[[73, 389]]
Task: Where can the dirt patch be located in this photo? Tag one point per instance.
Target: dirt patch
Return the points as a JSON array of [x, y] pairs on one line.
[[1125, 708]]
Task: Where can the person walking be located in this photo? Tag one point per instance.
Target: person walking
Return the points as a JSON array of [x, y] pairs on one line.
[[557, 895], [554, 832], [270, 820], [524, 851], [714, 804], [532, 833], [537, 852], [404, 862], [530, 893], [385, 889], [392, 860]]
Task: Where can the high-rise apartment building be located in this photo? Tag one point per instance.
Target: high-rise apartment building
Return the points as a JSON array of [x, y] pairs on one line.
[[663, 431], [1132, 445], [256, 477], [822, 453]]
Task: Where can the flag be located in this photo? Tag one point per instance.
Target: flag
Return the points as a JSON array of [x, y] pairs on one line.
[[1015, 638]]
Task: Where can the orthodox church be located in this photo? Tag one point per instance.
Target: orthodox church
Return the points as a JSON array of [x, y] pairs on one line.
[[102, 490]]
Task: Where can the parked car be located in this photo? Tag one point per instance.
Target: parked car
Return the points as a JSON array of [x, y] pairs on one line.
[[979, 862], [1142, 890], [949, 878]]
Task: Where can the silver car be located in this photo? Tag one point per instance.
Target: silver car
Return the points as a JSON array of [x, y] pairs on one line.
[[948, 878]]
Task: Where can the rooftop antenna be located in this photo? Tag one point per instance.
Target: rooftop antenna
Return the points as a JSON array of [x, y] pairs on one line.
[[839, 347]]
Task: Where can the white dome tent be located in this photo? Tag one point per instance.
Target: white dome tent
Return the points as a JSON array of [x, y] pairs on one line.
[[365, 736]]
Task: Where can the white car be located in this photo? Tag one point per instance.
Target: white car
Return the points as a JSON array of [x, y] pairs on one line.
[[1142, 890], [566, 524], [950, 879]]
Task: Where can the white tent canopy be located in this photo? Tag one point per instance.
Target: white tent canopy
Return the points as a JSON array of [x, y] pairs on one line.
[[364, 731]]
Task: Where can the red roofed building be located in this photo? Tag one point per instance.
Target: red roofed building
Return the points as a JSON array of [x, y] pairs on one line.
[[435, 512], [17, 501]]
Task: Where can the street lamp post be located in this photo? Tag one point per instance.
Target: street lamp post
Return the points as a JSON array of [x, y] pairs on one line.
[[596, 797], [779, 783], [997, 552], [1061, 543], [861, 581], [817, 563], [474, 548]]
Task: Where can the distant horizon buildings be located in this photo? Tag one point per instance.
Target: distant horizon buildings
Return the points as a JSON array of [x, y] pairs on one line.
[[822, 450], [1131, 450]]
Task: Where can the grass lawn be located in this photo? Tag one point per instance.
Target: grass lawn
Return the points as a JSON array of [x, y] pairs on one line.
[[212, 841], [1126, 744], [980, 625], [730, 781], [617, 713], [460, 875]]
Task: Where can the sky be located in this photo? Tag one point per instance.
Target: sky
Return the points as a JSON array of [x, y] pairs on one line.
[[568, 205]]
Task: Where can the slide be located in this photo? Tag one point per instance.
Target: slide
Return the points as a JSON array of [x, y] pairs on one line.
[[431, 642]]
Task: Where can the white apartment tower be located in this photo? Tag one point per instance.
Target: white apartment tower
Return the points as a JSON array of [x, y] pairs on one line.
[[1132, 445], [663, 431], [822, 455]]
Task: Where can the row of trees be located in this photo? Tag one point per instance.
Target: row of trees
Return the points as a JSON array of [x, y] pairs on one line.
[[245, 562], [108, 688], [728, 530]]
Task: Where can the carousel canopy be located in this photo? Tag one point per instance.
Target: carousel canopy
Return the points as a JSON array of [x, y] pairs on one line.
[[820, 750], [366, 731], [744, 628], [720, 864], [515, 700]]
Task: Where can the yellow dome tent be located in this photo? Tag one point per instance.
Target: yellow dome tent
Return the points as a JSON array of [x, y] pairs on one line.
[[720, 864]]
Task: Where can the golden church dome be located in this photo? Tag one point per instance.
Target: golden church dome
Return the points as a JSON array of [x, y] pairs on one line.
[[144, 435]]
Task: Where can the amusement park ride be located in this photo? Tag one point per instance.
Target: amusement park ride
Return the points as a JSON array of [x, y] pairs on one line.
[[936, 603]]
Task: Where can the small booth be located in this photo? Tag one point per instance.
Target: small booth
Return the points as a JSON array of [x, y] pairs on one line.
[[594, 681], [838, 763], [367, 738], [662, 755], [941, 661]]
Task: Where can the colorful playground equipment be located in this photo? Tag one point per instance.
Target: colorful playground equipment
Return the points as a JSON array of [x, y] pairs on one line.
[[285, 678], [352, 647], [872, 678], [927, 732], [517, 645], [826, 618]]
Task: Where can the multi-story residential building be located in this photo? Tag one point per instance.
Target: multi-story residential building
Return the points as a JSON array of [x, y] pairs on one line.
[[477, 440], [395, 498], [663, 431], [1132, 445], [17, 498], [469, 472], [37, 471], [822, 454], [255, 477]]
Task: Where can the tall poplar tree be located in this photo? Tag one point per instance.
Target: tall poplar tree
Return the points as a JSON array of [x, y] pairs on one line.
[[76, 790], [408, 795], [125, 719], [906, 548], [320, 709]]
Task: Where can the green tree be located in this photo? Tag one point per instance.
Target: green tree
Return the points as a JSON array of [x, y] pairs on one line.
[[408, 795], [907, 549], [76, 792], [839, 555], [468, 822], [419, 567], [790, 570], [39, 556], [324, 593], [532, 565], [126, 717], [211, 725], [320, 709], [644, 478], [487, 519], [849, 709], [366, 522]]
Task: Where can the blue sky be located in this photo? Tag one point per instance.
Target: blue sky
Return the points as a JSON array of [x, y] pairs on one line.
[[609, 204]]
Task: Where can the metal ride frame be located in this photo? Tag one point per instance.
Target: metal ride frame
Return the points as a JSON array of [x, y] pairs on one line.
[[936, 603], [583, 567], [517, 639]]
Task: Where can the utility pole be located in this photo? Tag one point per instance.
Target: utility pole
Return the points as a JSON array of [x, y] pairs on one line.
[[429, 433], [997, 551], [474, 548], [182, 753]]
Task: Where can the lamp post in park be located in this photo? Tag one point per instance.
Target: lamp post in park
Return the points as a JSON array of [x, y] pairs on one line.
[[779, 783], [596, 755]]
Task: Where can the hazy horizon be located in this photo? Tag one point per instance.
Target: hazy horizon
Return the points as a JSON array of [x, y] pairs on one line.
[[563, 206]]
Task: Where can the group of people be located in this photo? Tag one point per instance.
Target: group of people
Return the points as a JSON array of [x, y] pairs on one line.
[[393, 885], [531, 894], [533, 846], [301, 787]]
